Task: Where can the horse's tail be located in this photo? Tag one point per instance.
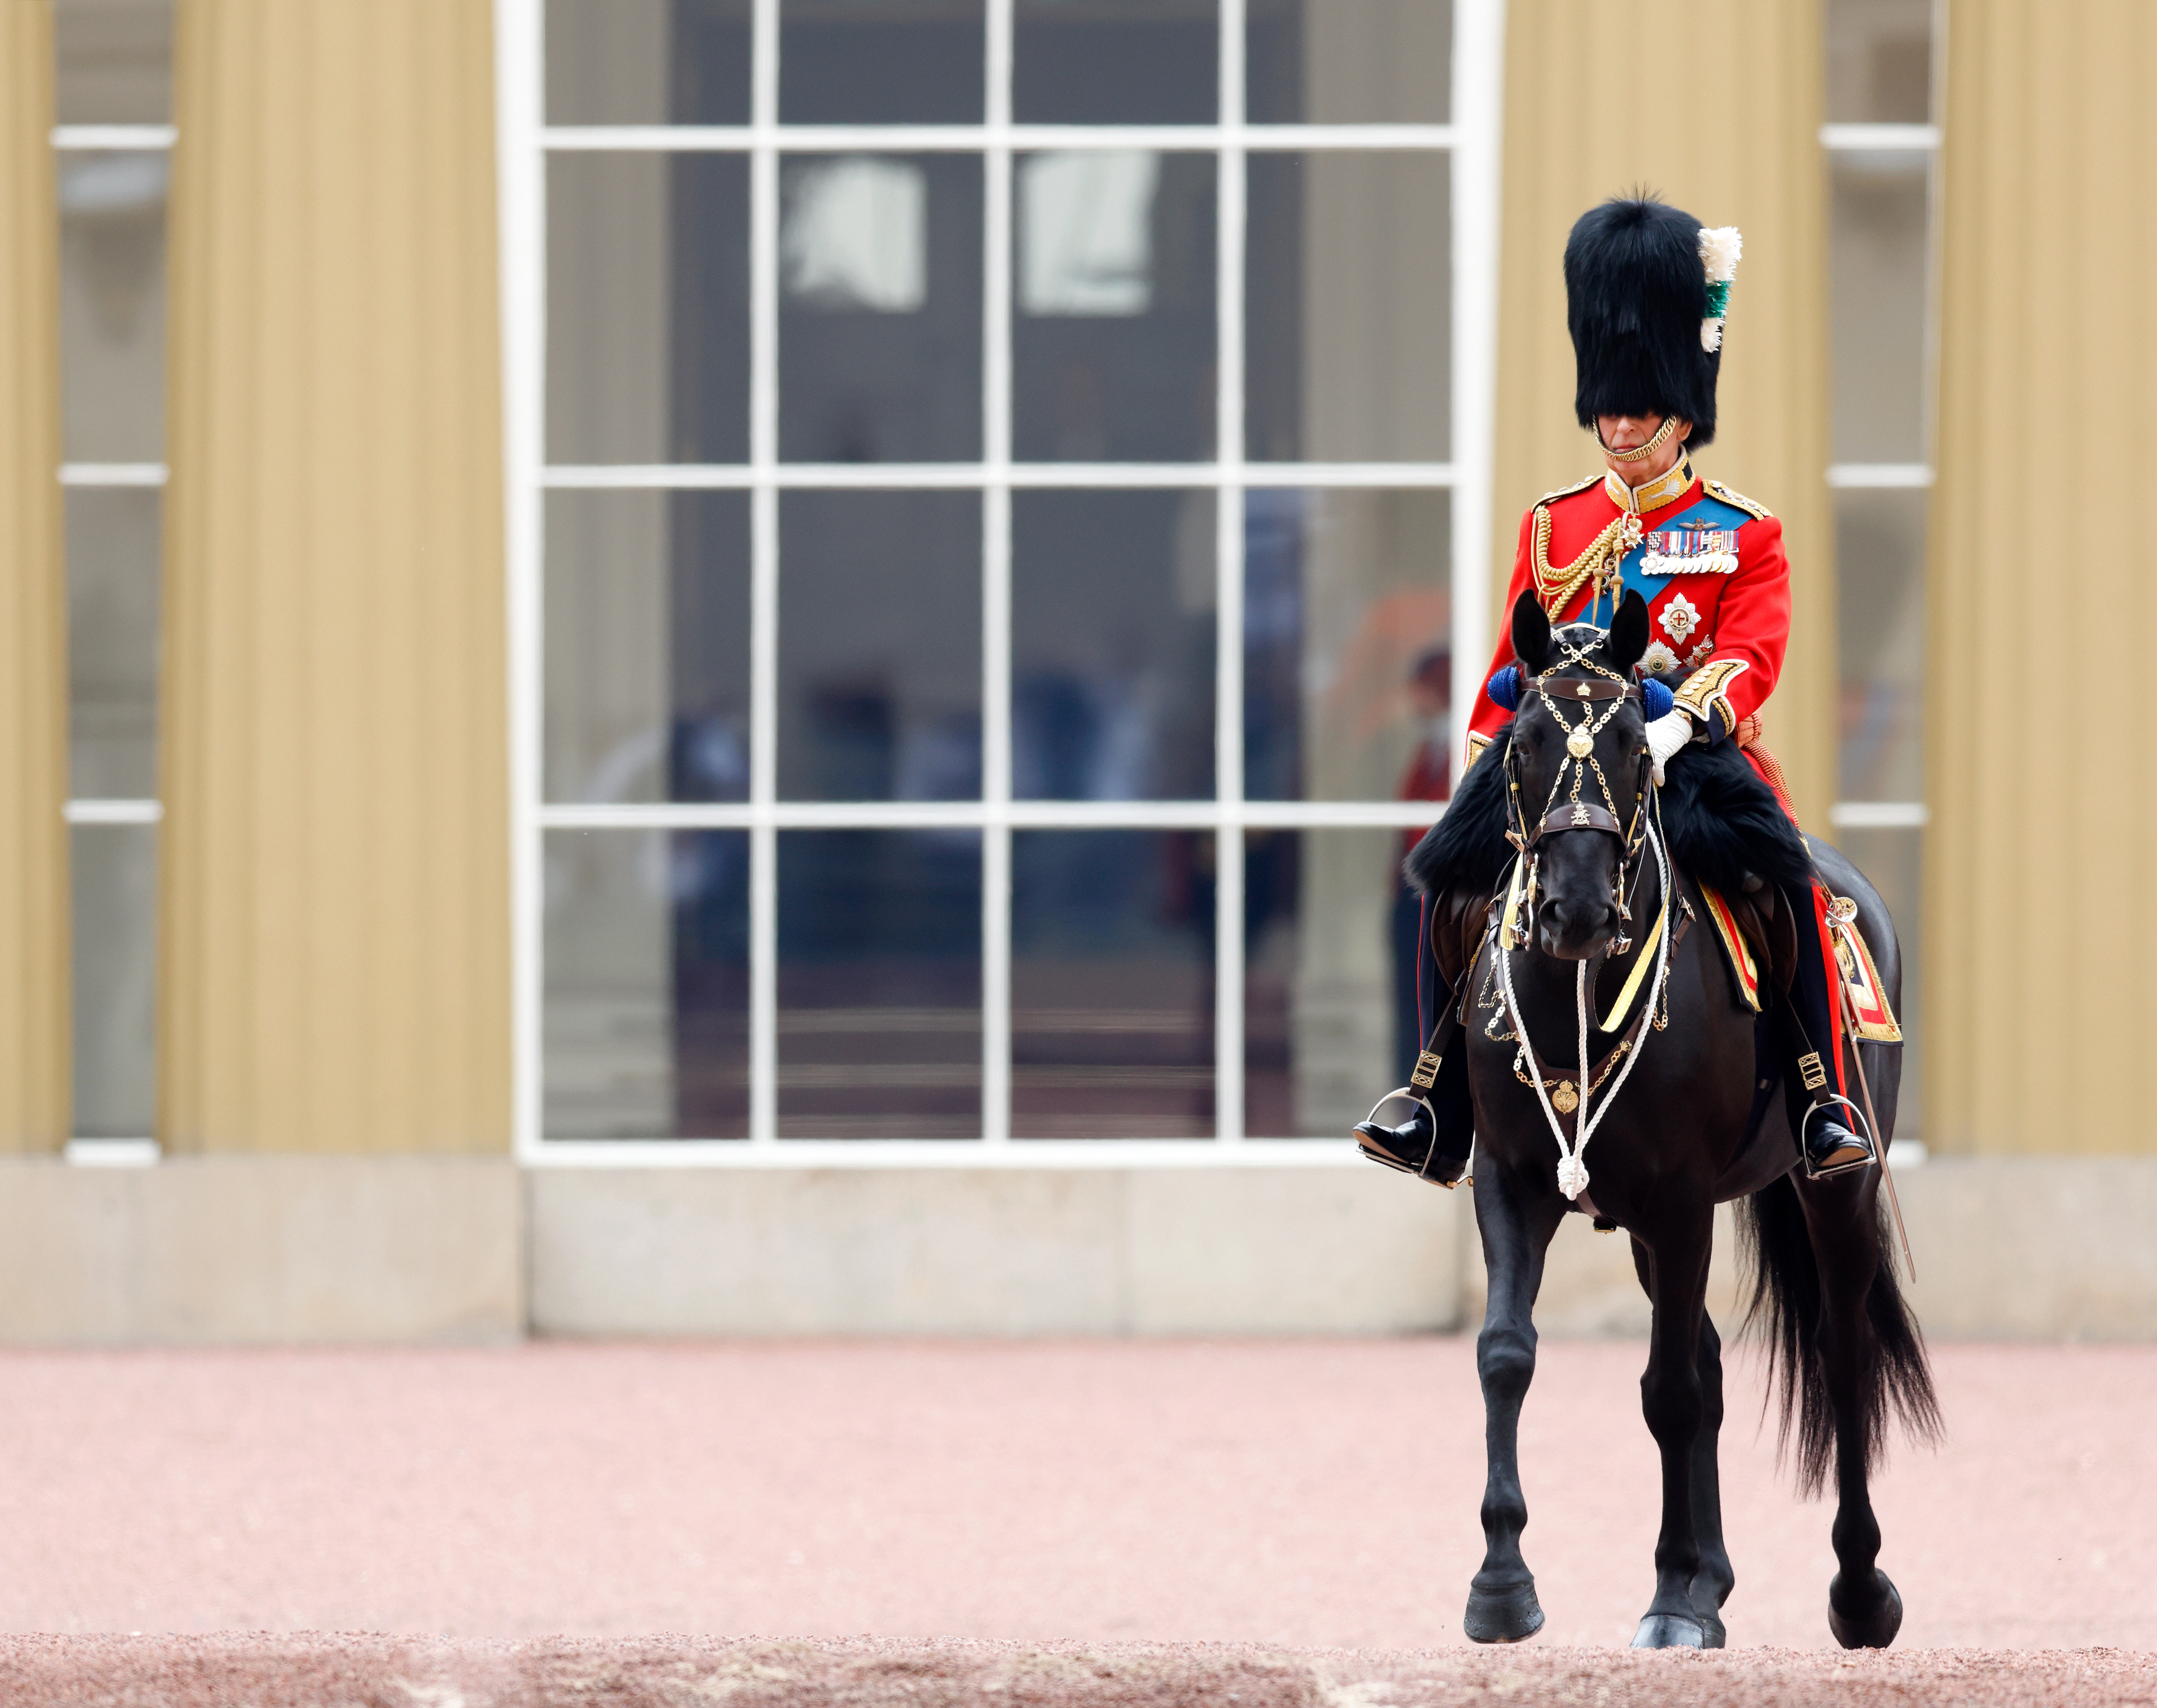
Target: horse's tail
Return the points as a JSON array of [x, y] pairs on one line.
[[1786, 1309]]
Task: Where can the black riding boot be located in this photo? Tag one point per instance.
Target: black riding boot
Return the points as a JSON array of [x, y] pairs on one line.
[[1828, 1144], [1433, 1152]]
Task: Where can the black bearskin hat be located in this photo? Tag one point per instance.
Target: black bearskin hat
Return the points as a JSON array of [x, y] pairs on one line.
[[1636, 301]]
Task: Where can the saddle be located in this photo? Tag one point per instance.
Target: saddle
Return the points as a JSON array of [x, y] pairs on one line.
[[1758, 931]]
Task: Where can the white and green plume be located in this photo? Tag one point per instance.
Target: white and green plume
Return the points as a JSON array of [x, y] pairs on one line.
[[1720, 247]]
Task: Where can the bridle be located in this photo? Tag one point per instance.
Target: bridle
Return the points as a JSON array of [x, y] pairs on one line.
[[1598, 698]]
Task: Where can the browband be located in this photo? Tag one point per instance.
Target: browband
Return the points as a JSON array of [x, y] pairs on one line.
[[1574, 689]]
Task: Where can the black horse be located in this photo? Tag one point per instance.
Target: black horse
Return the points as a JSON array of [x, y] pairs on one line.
[[1692, 1123]]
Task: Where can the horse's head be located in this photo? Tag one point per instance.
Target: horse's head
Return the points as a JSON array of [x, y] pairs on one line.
[[1579, 769]]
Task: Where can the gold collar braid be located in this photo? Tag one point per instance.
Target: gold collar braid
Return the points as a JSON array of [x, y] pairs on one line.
[[1654, 494]]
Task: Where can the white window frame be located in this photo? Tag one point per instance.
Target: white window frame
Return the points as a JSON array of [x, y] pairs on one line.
[[524, 141], [1842, 477], [111, 139]]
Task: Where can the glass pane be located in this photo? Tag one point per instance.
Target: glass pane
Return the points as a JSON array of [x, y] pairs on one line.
[[880, 984], [1112, 985], [112, 642], [1113, 337], [1347, 644], [1880, 580], [1329, 984], [1894, 860], [647, 1020], [1348, 285], [880, 62], [1878, 247], [1116, 62], [1349, 61], [648, 62], [1112, 645], [113, 906], [880, 646], [647, 308], [1879, 61], [112, 304], [880, 308], [115, 63], [647, 646]]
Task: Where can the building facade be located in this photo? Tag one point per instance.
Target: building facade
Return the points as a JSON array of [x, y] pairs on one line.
[[749, 664]]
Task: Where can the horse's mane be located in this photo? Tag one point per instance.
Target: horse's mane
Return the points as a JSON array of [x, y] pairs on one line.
[[1723, 824]]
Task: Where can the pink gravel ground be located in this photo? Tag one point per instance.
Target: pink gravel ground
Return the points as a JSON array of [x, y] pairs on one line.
[[1306, 1495], [181, 1672]]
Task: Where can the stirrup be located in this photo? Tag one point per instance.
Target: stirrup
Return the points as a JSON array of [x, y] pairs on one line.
[[1408, 1094], [1858, 1126]]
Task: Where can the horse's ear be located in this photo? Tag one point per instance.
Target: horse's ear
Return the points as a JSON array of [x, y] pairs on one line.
[[1629, 631], [1531, 634]]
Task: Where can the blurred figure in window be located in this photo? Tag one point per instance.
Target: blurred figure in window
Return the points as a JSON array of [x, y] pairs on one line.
[[1429, 777]]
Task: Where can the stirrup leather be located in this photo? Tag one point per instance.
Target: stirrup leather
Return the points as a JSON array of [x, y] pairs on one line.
[[1409, 1093], [1859, 1125]]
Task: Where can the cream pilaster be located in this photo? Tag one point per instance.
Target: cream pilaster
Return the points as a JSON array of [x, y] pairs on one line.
[[335, 947]]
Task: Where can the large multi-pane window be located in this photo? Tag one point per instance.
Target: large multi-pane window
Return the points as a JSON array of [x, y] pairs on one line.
[[112, 148], [983, 557], [1882, 146]]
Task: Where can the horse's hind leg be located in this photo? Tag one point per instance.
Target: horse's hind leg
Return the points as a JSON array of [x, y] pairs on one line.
[[1864, 1610], [1501, 1599], [1673, 1401], [1712, 1582]]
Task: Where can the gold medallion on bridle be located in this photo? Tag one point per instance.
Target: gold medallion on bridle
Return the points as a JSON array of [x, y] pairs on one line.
[[1580, 743], [1565, 1099]]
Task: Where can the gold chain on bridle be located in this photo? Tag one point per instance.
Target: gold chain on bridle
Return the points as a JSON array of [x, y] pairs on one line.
[[1580, 761]]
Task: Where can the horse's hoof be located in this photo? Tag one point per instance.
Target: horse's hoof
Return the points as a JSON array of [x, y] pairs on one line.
[[1873, 1627], [1511, 1615], [1670, 1631], [1711, 1631]]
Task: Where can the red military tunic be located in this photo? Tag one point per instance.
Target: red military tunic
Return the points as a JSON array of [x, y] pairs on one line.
[[1708, 561]]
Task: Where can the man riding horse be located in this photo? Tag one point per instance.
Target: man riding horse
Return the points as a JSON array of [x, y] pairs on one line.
[[1647, 289]]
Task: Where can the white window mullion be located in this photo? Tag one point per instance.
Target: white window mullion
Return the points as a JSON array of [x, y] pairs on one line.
[[1230, 192], [521, 208], [996, 581], [1479, 79], [763, 578]]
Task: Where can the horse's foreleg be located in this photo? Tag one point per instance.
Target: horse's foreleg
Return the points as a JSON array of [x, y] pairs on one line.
[[1863, 1609], [1712, 1582], [1673, 1401], [1515, 1233]]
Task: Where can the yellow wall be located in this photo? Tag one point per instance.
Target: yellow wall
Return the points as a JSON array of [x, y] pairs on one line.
[[2041, 923], [334, 949], [1718, 105], [33, 888]]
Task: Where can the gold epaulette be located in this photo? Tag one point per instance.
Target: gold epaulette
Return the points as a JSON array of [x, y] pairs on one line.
[[1567, 492], [1758, 513]]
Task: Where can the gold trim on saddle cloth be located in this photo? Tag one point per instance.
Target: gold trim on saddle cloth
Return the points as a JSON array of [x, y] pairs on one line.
[[1734, 946], [1623, 1006], [1874, 1019]]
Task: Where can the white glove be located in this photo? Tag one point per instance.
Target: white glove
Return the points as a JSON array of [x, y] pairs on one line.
[[1666, 735]]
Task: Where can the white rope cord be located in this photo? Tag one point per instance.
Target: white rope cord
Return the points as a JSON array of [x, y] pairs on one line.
[[1571, 1171]]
